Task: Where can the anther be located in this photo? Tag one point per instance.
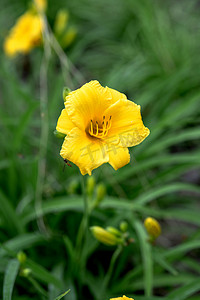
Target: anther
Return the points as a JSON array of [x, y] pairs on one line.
[[103, 117], [97, 128]]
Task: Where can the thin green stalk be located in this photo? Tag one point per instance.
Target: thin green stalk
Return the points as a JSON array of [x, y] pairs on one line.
[[84, 223], [44, 126], [110, 270], [38, 287]]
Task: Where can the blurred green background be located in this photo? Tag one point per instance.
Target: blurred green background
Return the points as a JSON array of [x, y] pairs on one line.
[[149, 50]]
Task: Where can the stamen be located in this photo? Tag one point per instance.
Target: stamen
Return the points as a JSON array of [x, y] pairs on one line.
[[91, 127], [97, 128], [103, 117]]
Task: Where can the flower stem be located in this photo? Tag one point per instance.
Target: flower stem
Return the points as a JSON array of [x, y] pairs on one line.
[[110, 270], [44, 129], [84, 222]]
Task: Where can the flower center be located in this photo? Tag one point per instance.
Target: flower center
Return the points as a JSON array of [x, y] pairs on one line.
[[99, 129]]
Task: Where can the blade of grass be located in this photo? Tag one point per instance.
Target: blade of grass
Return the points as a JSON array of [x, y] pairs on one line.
[[9, 279]]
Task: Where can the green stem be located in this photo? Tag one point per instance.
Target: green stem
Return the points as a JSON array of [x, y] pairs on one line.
[[37, 286], [44, 127], [84, 223], [110, 270]]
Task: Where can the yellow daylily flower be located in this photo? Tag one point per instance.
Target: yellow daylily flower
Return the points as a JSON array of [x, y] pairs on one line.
[[100, 124], [25, 35], [122, 298]]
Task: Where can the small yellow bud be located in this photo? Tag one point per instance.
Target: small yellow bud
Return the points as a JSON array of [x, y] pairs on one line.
[[41, 5], [104, 236], [90, 185], [25, 272], [61, 21], [114, 230], [69, 37], [21, 256], [153, 227], [101, 191], [122, 298], [123, 226]]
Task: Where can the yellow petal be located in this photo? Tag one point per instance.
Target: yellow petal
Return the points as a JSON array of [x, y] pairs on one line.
[[122, 298], [118, 156], [89, 103], [127, 125], [64, 124], [116, 95], [87, 153]]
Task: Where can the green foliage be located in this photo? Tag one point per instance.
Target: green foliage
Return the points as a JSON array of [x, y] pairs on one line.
[[150, 51]]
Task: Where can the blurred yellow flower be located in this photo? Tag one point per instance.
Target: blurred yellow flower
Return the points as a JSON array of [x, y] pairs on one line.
[[25, 35], [122, 298], [100, 124], [153, 227]]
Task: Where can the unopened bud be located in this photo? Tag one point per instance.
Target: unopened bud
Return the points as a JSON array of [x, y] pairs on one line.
[[105, 237], [69, 37], [114, 230], [73, 186], [21, 256], [90, 185], [59, 135], [123, 226], [25, 272], [153, 227], [61, 21], [41, 5], [101, 191], [66, 92]]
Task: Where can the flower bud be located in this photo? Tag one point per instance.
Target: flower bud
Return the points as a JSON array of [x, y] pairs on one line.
[[25, 272], [41, 5], [66, 92], [69, 37], [90, 185], [59, 135], [153, 227], [114, 230], [21, 256], [105, 237], [101, 191], [61, 21], [73, 186], [123, 226]]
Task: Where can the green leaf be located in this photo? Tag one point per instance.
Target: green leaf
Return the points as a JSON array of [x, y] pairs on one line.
[[22, 242], [7, 211], [62, 295], [9, 278], [181, 249], [163, 263], [185, 291], [42, 274]]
